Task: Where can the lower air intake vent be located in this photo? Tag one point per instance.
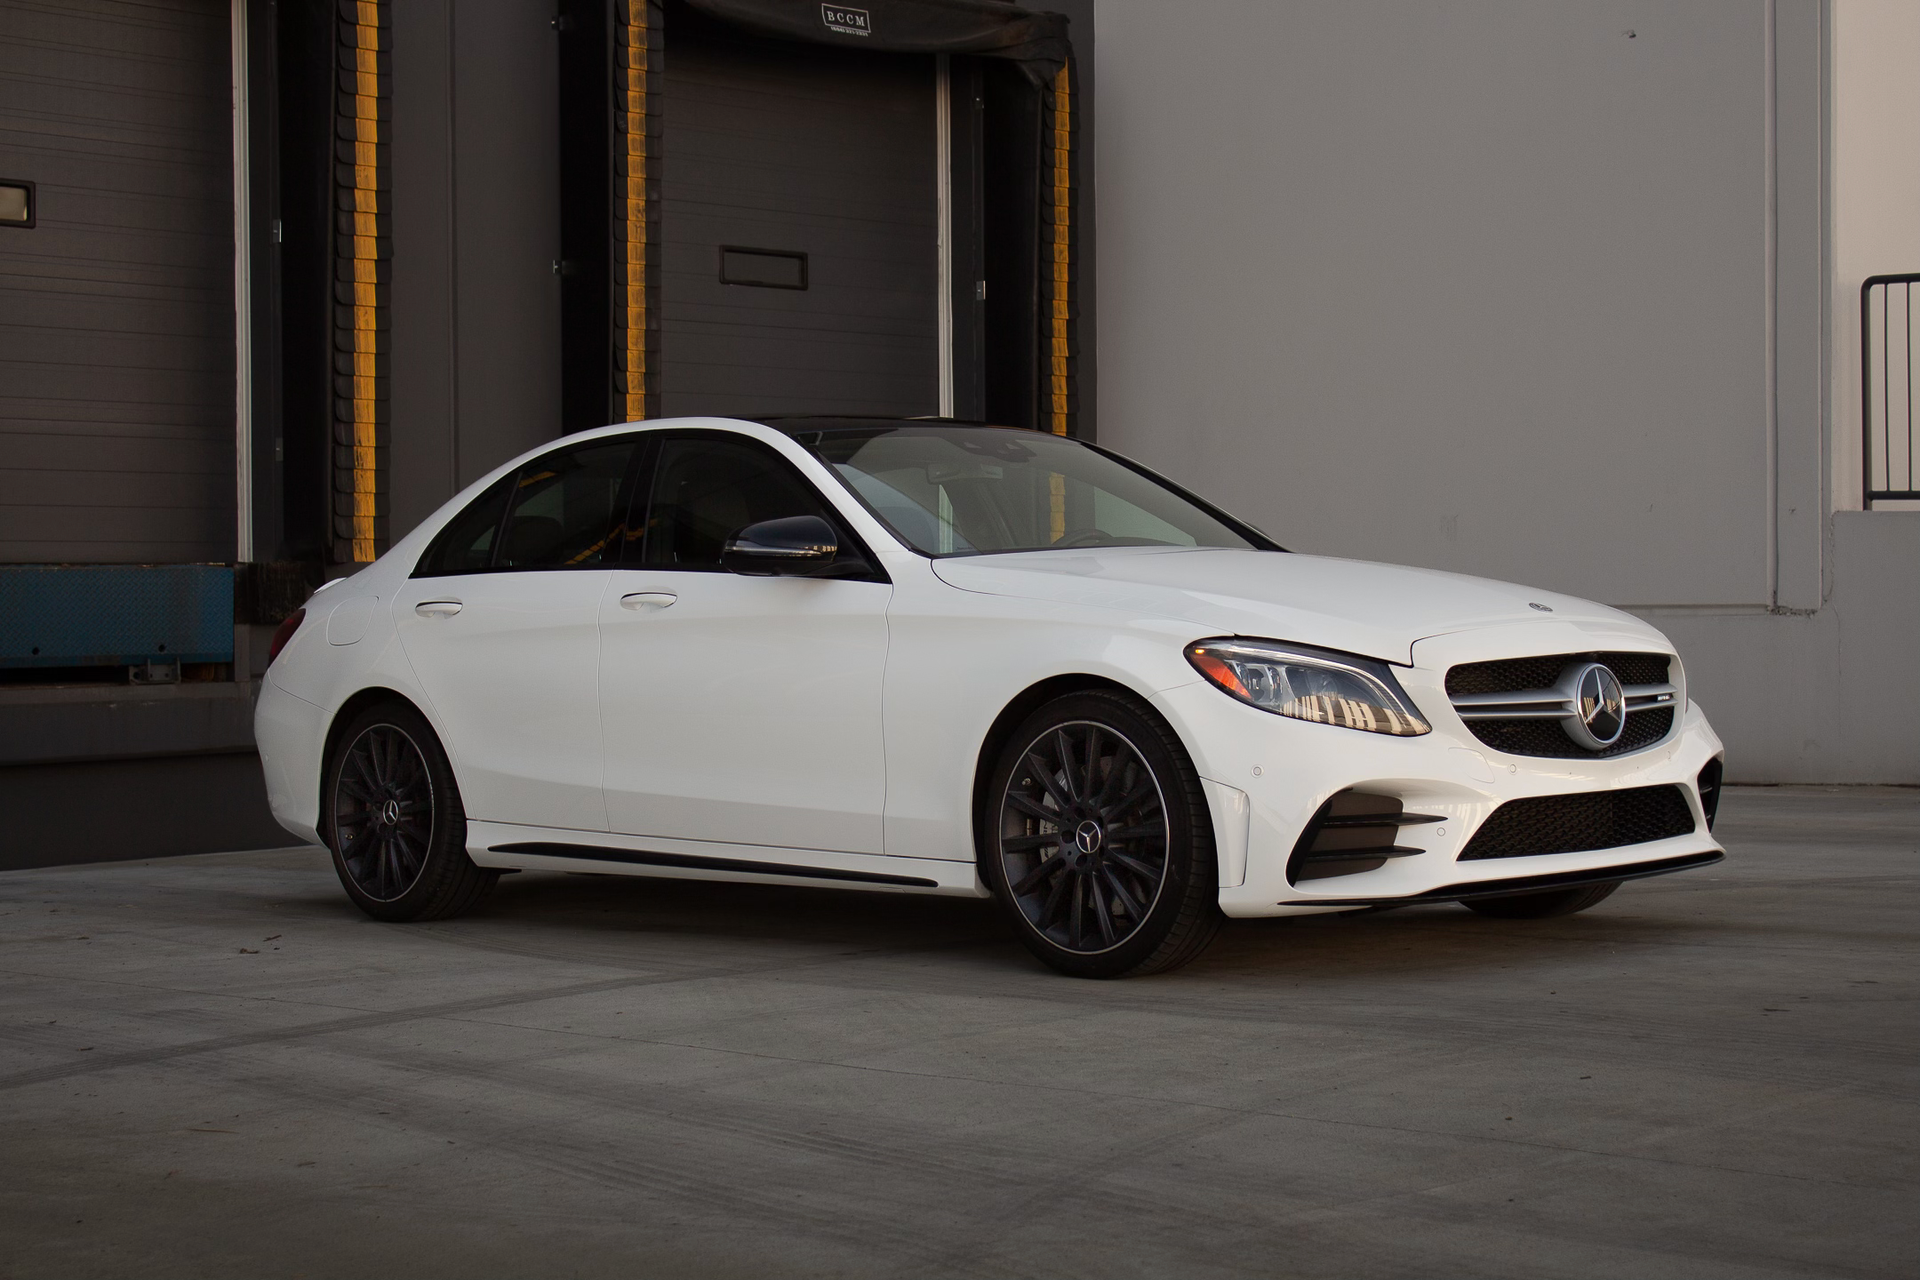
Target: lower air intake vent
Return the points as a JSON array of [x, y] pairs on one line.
[[1353, 832], [1581, 823], [1709, 784]]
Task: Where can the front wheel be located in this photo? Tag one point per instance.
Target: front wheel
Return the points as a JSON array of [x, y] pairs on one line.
[[1097, 840], [393, 820], [1542, 906]]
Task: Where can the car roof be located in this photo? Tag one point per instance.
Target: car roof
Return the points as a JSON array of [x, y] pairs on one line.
[[795, 424]]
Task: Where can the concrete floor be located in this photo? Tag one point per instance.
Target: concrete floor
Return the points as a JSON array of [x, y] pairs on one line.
[[213, 1066]]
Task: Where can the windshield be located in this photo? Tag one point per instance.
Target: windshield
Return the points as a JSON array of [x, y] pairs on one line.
[[954, 490]]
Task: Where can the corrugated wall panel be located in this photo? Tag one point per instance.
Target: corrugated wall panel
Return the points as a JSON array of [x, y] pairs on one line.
[[810, 149], [116, 310]]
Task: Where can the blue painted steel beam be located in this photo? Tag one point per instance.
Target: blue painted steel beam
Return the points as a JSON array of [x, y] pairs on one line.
[[58, 615]]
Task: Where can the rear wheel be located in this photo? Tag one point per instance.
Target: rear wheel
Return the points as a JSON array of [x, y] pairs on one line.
[[1542, 906], [1098, 842], [392, 817]]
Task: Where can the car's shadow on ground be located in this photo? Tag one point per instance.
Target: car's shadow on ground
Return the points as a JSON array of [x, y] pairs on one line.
[[601, 919]]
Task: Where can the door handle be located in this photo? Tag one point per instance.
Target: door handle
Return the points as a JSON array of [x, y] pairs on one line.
[[647, 601], [437, 608]]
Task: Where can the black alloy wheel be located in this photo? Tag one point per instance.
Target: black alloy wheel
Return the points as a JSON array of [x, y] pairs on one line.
[[393, 820], [383, 812], [1100, 844]]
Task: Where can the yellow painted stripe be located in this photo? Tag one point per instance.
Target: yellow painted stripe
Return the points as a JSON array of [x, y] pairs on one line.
[[363, 85], [1060, 283], [630, 309]]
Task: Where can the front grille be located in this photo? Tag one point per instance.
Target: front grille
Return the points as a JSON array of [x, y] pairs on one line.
[[1547, 738], [1510, 675], [1521, 736], [1581, 823]]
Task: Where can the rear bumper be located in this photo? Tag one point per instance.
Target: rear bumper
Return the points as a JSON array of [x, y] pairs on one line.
[[290, 732]]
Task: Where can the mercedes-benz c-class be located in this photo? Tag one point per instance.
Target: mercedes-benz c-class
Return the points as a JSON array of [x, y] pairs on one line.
[[932, 657]]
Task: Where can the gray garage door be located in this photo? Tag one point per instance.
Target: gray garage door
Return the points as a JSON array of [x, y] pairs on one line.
[[116, 310], [775, 151]]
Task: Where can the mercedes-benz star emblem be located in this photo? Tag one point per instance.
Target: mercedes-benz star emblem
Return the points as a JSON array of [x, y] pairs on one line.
[[1601, 707], [1086, 836], [390, 814]]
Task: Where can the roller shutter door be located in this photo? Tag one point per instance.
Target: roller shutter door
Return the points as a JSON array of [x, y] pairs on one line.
[[116, 310], [798, 149]]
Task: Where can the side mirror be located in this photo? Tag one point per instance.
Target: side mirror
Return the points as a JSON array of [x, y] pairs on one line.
[[797, 545]]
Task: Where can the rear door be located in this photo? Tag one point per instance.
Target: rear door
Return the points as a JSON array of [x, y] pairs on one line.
[[501, 624]]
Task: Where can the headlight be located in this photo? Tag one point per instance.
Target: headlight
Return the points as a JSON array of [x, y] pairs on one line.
[[1309, 684]]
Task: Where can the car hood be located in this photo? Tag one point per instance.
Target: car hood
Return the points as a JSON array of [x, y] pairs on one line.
[[1379, 610]]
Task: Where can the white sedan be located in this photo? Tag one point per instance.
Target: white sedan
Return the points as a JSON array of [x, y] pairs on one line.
[[931, 657]]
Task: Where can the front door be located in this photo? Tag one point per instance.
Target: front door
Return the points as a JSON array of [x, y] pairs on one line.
[[501, 625], [743, 710]]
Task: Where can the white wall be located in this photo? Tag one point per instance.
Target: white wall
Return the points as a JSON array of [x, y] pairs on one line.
[[1534, 291]]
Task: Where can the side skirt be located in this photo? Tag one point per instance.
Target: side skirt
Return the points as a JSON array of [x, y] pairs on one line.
[[642, 858], [507, 846]]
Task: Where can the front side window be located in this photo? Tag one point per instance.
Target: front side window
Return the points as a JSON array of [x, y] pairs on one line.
[[953, 490], [708, 488]]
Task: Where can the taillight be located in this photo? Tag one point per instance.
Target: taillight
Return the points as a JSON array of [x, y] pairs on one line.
[[284, 632]]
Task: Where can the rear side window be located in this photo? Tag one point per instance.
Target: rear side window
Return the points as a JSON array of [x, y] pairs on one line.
[[466, 544], [566, 510], [569, 508]]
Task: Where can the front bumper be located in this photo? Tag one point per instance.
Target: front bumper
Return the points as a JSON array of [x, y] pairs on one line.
[[1267, 776]]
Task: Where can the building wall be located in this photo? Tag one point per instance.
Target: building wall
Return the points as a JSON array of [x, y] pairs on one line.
[[476, 324], [1876, 190], [116, 309], [1535, 292]]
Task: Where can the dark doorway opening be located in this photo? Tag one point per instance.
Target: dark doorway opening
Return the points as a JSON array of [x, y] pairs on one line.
[[586, 352], [305, 37], [1010, 163], [825, 159]]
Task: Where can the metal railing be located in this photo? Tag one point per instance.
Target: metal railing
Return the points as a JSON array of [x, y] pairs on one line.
[[1887, 464]]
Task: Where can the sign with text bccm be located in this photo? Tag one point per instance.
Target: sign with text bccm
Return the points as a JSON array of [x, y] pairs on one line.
[[848, 22]]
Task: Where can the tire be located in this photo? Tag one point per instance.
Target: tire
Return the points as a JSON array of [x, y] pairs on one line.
[[392, 818], [1542, 906], [1135, 826]]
